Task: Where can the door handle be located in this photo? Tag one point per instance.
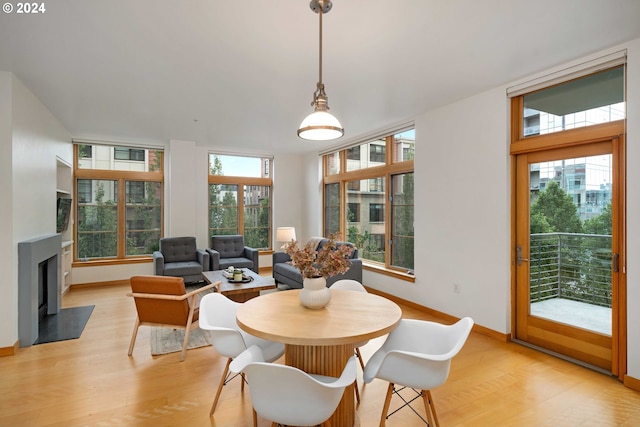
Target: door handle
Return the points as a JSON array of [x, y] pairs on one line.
[[615, 263], [519, 255]]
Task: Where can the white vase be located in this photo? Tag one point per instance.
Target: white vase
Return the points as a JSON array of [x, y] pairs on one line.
[[314, 293]]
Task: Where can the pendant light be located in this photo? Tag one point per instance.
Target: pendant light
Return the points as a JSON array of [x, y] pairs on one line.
[[320, 125]]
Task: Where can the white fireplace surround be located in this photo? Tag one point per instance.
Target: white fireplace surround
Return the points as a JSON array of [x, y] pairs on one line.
[[30, 254]]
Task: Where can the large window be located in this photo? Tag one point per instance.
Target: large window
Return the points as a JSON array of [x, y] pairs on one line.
[[240, 198], [371, 203], [118, 202]]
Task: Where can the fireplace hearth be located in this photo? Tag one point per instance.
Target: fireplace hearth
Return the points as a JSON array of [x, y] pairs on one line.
[[37, 257]]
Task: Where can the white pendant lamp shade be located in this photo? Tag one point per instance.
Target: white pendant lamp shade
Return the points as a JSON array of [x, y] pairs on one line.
[[320, 126]]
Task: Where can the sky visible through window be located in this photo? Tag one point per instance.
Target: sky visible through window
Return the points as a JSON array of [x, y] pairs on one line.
[[408, 134], [239, 166]]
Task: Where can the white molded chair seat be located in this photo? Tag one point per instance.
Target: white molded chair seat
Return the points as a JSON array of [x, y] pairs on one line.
[[218, 315], [417, 354], [286, 395]]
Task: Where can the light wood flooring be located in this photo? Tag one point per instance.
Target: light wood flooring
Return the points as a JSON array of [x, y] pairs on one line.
[[92, 382]]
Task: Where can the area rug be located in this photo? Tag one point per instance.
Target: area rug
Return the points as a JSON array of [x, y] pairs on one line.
[[66, 324], [169, 340]]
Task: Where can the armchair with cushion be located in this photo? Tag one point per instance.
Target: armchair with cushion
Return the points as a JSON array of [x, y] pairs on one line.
[[229, 251], [164, 301], [179, 257], [287, 276]]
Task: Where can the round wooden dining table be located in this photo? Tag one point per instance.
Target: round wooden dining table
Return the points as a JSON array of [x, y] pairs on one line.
[[321, 341]]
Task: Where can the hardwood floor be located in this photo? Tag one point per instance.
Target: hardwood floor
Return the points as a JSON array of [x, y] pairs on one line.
[[92, 382]]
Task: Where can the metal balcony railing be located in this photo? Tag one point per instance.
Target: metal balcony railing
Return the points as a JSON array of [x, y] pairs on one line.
[[571, 266]]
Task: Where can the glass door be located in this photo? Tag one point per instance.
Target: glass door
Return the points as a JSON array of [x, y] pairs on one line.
[[567, 251]]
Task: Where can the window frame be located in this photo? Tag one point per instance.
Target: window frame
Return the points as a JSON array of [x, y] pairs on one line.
[[121, 177], [242, 182], [390, 168]]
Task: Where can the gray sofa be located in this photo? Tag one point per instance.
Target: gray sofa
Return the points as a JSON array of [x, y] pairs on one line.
[[179, 257], [287, 276], [229, 251]]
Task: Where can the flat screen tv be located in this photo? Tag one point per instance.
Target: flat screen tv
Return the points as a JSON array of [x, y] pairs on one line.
[[63, 214]]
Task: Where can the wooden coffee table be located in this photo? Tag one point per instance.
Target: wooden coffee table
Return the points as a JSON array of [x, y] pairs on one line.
[[239, 292]]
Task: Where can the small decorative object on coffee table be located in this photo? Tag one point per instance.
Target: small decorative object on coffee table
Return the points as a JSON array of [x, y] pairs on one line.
[[248, 287], [315, 266]]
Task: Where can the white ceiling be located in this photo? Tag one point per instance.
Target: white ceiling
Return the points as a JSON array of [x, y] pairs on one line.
[[239, 75]]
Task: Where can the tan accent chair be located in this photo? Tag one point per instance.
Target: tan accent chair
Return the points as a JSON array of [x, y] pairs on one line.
[[163, 301]]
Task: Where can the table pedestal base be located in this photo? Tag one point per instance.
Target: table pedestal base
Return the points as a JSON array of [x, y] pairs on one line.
[[326, 360]]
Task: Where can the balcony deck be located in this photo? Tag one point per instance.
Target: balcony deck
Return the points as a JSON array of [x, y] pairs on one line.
[[588, 316]]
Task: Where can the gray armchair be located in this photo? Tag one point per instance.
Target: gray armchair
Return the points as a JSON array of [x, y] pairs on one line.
[[179, 257], [229, 251]]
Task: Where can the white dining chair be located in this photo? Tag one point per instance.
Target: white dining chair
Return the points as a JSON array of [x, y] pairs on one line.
[[288, 396], [218, 315], [417, 354]]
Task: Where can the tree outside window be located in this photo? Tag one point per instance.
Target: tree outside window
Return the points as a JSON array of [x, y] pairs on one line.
[[331, 209], [402, 232]]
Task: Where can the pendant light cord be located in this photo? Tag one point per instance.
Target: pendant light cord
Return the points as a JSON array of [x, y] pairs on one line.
[[320, 50]]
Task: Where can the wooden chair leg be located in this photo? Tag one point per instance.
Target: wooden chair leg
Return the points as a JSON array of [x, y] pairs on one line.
[[255, 417], [355, 387], [224, 376], [243, 381], [133, 337], [189, 325], [185, 342], [359, 358], [430, 408], [385, 408]]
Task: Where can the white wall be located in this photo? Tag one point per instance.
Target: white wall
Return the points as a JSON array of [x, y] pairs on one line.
[[36, 139], [288, 197], [8, 285], [312, 208], [633, 209], [186, 211]]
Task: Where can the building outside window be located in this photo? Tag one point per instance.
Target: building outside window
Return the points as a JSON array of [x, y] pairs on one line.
[[376, 184], [121, 153], [85, 151], [240, 198], [384, 232], [377, 153], [118, 203], [376, 212], [353, 153]]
